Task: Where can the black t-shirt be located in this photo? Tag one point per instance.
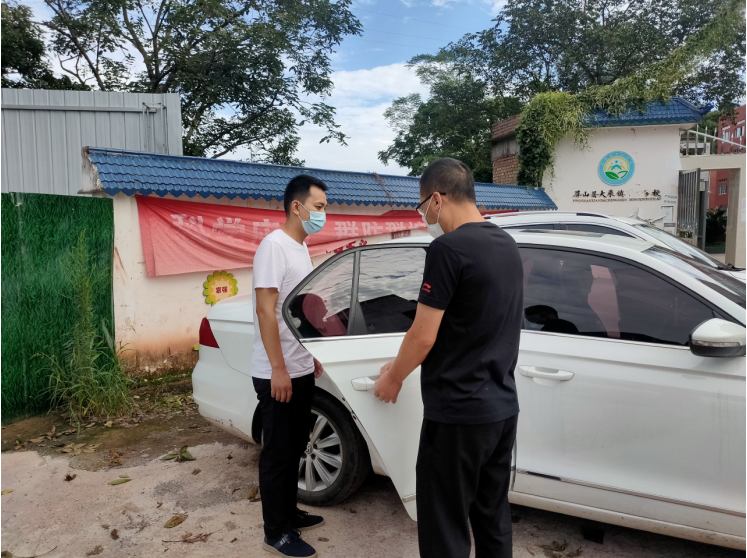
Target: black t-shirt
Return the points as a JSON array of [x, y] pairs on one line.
[[475, 275]]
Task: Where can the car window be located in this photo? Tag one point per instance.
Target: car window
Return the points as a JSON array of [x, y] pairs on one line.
[[722, 283], [543, 226], [322, 308], [594, 296], [388, 287], [601, 229], [680, 246]]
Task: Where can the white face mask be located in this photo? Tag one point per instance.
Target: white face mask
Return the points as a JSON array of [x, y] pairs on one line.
[[434, 230]]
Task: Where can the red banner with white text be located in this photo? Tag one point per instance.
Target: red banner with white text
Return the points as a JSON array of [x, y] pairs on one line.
[[182, 237]]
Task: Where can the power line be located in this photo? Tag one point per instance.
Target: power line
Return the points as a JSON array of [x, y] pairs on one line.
[[404, 35], [412, 19], [385, 43]]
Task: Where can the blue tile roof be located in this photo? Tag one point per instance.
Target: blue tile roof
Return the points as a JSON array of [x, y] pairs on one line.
[[137, 172], [676, 111]]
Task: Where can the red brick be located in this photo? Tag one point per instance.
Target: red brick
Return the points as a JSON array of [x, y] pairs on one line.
[[507, 127], [505, 169]]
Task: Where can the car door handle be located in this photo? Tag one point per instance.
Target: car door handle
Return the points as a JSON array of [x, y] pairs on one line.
[[545, 373], [365, 384]]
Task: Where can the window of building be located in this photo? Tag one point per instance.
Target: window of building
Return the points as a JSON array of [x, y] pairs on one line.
[[739, 132], [726, 135], [721, 189]]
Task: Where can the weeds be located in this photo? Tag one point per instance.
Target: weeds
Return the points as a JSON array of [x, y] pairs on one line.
[[89, 381]]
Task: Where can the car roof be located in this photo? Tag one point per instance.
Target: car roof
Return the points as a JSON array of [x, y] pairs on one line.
[[578, 239], [590, 240], [555, 216]]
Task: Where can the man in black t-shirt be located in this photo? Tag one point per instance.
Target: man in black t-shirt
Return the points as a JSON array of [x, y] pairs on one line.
[[465, 337]]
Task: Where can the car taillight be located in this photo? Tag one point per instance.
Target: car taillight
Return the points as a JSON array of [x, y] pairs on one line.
[[206, 335]]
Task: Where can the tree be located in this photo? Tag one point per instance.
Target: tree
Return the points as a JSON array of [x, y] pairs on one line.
[[245, 69], [716, 225], [569, 45], [455, 121], [24, 54]]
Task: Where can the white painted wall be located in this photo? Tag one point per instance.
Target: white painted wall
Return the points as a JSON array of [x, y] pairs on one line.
[[737, 205], [655, 151], [158, 318]]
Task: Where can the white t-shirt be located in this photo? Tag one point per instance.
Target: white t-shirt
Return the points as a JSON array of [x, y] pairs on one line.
[[282, 263]]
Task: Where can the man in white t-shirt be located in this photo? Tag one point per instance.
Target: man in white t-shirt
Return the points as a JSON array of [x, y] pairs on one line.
[[283, 371]]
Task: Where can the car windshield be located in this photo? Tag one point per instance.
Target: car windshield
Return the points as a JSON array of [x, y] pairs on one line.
[[679, 245], [722, 283]]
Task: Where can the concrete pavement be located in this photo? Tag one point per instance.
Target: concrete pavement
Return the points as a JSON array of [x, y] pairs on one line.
[[47, 515]]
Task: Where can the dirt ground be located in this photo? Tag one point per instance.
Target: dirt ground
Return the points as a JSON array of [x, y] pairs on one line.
[[46, 515]]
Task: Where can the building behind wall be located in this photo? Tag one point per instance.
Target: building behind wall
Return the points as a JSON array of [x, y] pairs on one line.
[[504, 151], [641, 149], [43, 133], [730, 130]]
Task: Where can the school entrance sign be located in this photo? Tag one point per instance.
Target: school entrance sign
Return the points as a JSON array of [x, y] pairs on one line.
[[616, 168]]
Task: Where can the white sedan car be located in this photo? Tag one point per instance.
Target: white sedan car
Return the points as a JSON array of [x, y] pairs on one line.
[[609, 224], [631, 381]]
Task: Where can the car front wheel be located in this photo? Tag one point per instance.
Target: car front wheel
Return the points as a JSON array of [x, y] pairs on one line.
[[336, 460]]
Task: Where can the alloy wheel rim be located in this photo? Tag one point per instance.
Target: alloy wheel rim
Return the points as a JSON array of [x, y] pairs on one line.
[[320, 464]]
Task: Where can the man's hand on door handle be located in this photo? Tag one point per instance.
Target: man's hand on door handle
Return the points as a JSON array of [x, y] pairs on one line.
[[387, 387]]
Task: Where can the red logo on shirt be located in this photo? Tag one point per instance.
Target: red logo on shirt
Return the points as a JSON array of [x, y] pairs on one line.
[[426, 287]]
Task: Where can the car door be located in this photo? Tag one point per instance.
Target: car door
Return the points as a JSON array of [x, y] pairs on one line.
[[382, 307], [616, 412]]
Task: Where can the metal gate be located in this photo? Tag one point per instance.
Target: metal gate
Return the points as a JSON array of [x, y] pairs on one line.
[[692, 205]]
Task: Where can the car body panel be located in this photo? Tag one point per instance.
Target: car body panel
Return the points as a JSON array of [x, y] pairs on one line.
[[393, 429], [628, 418], [232, 322], [224, 395], [708, 536]]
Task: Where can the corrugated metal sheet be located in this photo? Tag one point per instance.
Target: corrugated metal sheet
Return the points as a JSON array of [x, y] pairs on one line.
[[676, 111], [145, 173], [43, 133]]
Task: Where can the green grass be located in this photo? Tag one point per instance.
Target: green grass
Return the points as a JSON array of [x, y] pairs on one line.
[[89, 380], [39, 231]]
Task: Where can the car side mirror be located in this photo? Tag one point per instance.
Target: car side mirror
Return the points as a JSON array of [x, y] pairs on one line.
[[718, 338]]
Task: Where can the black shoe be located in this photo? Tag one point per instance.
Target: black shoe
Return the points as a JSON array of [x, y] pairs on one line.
[[305, 522], [289, 545]]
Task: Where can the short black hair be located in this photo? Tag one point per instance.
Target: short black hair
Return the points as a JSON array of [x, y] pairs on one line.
[[451, 177], [298, 189]]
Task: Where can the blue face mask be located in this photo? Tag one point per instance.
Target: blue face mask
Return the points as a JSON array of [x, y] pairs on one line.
[[316, 221]]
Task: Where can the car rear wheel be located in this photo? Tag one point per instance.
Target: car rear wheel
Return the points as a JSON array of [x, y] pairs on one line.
[[336, 460]]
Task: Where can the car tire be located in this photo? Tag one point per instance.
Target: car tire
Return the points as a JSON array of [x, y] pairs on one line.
[[356, 462]]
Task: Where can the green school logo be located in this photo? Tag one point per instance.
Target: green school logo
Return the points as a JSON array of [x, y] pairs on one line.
[[616, 168]]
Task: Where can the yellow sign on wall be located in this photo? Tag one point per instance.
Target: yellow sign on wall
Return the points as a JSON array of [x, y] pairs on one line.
[[218, 286]]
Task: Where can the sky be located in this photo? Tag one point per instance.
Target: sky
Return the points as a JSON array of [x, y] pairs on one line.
[[369, 72]]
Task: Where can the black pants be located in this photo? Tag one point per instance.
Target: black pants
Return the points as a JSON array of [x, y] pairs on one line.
[[285, 434], [463, 475]]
